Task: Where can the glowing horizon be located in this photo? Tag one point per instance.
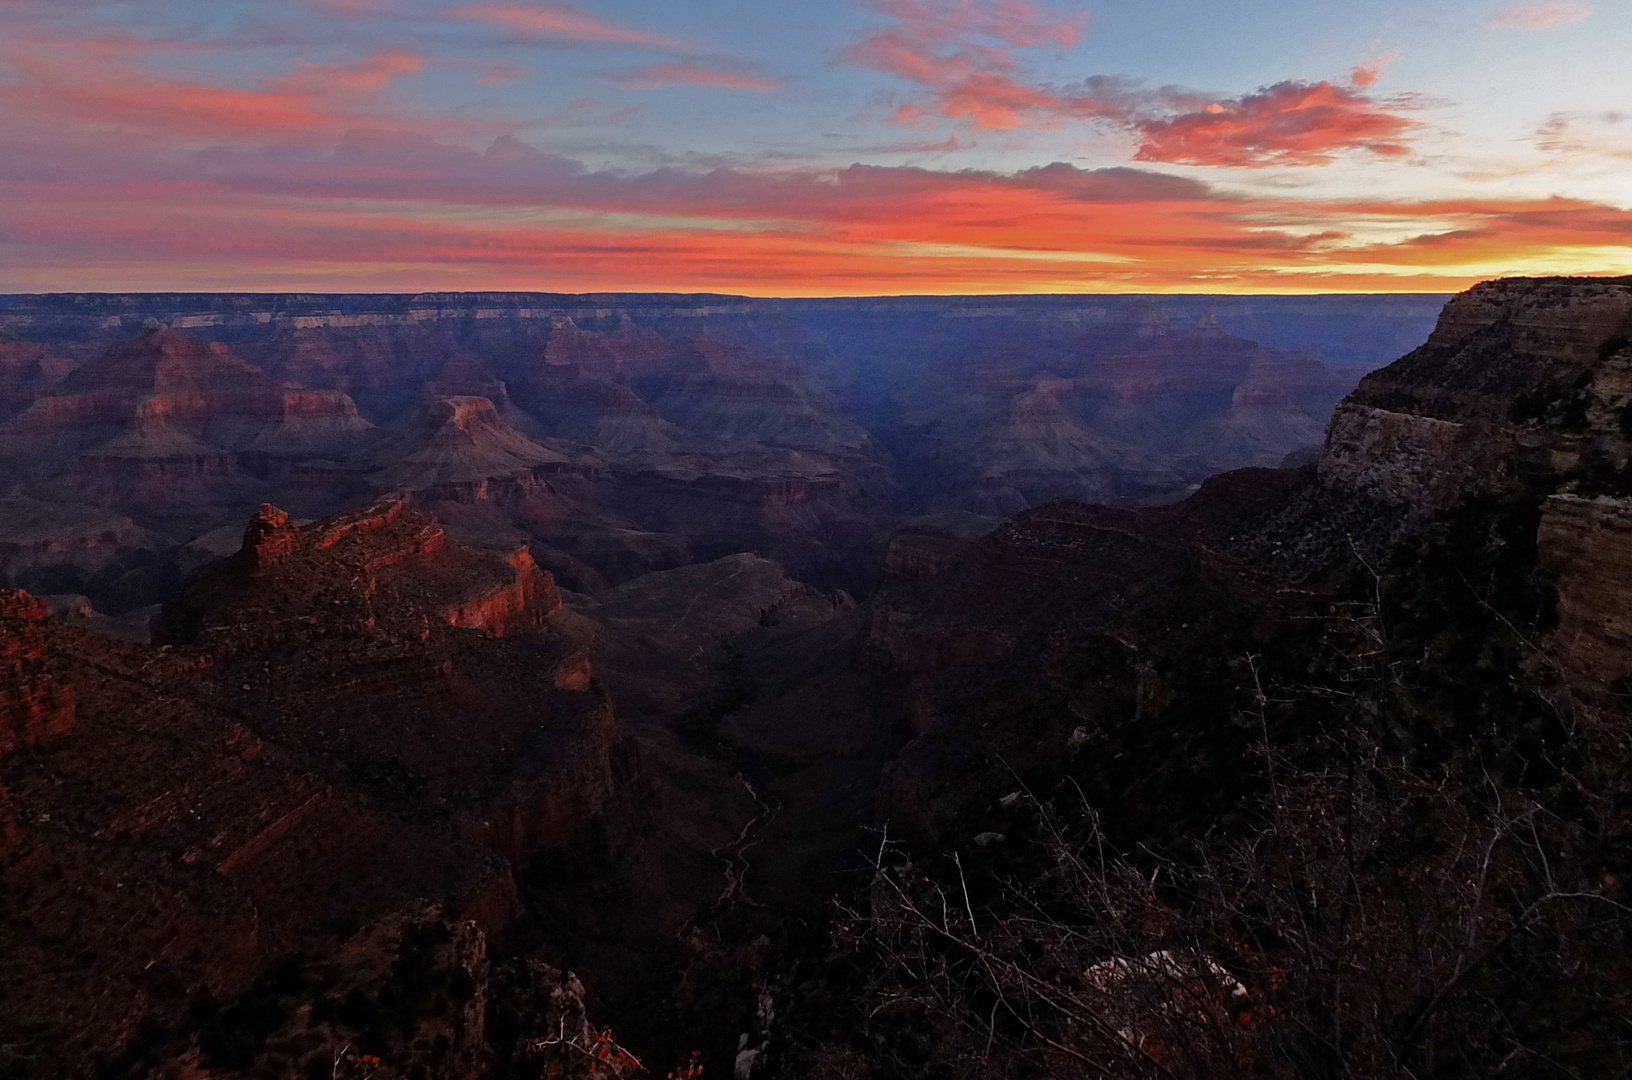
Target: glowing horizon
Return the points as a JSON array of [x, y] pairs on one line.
[[869, 148]]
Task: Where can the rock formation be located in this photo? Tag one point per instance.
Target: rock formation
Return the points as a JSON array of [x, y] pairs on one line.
[[1522, 382], [458, 449], [1586, 544], [159, 438], [623, 434], [34, 706], [344, 717], [27, 370], [372, 745]]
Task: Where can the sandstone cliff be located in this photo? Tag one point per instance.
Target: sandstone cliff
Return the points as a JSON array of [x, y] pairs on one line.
[[1524, 391], [1523, 381]]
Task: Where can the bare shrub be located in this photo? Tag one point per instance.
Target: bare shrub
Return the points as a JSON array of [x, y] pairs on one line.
[[1379, 919]]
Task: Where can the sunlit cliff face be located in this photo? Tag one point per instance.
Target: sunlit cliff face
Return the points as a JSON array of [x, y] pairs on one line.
[[881, 146]]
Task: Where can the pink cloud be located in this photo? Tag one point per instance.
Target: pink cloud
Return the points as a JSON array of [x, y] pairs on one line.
[[685, 73], [99, 88], [308, 218], [1367, 74], [946, 145], [929, 25], [1543, 15], [963, 52], [363, 79], [560, 23], [1290, 123], [309, 180], [964, 56]]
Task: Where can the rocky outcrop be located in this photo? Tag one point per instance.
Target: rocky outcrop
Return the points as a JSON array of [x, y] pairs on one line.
[[342, 717], [1562, 321], [920, 556], [1523, 391], [1421, 461], [160, 379], [414, 993], [1586, 544], [35, 706], [1524, 381], [269, 538], [360, 623], [459, 449], [27, 369], [520, 604]]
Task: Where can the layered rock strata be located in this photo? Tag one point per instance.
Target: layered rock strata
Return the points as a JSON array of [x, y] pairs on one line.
[[1523, 381], [624, 435], [1586, 544], [343, 717]]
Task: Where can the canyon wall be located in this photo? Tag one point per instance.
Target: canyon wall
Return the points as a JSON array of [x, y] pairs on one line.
[[1522, 382], [624, 434], [389, 709]]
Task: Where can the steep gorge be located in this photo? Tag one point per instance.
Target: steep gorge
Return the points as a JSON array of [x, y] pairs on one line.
[[435, 719], [623, 434]]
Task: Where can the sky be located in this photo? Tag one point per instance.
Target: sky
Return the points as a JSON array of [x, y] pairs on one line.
[[812, 147]]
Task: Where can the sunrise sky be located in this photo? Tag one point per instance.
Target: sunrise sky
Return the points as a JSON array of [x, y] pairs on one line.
[[818, 147]]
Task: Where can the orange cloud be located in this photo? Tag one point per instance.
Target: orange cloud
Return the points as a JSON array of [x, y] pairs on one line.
[[685, 73], [117, 177], [1367, 74], [1290, 123], [366, 216], [1540, 16], [560, 23], [963, 54]]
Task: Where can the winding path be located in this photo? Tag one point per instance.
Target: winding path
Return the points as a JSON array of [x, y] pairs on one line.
[[735, 854]]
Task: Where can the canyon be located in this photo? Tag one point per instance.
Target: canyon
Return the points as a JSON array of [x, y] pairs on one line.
[[438, 648], [620, 435]]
